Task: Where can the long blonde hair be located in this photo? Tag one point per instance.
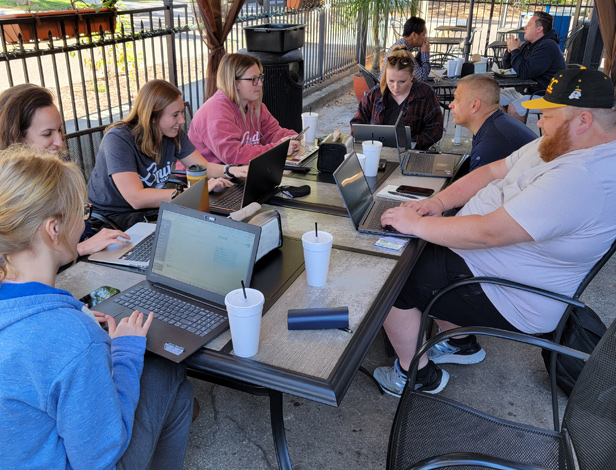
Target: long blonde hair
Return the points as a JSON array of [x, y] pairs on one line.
[[151, 101], [36, 186], [403, 60], [232, 67]]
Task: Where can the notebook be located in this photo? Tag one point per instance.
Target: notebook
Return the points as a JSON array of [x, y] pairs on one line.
[[418, 163], [364, 210], [197, 259], [264, 175], [135, 253], [383, 133]]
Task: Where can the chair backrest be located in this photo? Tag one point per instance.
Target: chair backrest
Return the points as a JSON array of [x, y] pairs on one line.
[[590, 416], [371, 80], [438, 60], [83, 146], [188, 115]]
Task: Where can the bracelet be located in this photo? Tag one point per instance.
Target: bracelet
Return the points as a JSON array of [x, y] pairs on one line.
[[227, 172]]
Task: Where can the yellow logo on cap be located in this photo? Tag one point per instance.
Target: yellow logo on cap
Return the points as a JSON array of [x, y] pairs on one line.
[[549, 89]]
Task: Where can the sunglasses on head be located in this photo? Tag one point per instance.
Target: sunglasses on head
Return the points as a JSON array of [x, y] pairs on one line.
[[398, 60]]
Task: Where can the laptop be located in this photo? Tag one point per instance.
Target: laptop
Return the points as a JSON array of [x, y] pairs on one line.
[[196, 260], [264, 175], [365, 211], [422, 163], [382, 132], [135, 253]]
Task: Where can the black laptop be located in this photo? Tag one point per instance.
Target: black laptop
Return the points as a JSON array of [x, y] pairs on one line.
[[421, 163], [365, 211], [197, 259], [264, 175]]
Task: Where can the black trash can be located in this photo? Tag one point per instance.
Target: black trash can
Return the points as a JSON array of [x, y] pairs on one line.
[[578, 47], [284, 73]]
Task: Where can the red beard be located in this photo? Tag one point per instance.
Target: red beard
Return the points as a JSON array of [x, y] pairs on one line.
[[555, 145]]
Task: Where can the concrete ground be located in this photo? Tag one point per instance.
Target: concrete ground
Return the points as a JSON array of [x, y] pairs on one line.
[[233, 429]]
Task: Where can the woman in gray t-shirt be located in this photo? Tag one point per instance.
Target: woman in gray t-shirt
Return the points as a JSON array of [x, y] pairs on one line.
[[136, 155]]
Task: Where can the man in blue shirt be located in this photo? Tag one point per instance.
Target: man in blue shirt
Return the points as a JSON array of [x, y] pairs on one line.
[[495, 134]]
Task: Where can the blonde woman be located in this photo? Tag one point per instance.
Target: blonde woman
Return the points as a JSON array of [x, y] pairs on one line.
[[136, 155], [29, 115], [73, 396], [234, 126], [399, 91]]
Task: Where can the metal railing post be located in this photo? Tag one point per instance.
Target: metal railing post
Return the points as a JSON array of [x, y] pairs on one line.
[[170, 41], [362, 39], [321, 46]]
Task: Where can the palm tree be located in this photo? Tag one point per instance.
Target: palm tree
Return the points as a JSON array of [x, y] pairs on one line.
[[378, 9]]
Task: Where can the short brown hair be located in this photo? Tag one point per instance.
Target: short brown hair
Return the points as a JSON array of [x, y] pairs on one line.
[[399, 59], [149, 105], [18, 105]]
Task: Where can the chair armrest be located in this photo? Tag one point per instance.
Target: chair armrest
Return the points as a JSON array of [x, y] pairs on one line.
[[459, 459]]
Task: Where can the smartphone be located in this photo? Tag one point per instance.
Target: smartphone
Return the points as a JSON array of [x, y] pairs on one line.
[[414, 190], [97, 296], [382, 164], [301, 134]]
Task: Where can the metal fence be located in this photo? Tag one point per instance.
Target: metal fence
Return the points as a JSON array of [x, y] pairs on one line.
[[96, 75]]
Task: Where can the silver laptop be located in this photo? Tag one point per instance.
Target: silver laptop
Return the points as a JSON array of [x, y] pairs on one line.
[[135, 253], [197, 259], [381, 132], [422, 163], [365, 211]]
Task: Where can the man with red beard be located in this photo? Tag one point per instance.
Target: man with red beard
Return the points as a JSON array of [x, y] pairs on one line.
[[542, 216]]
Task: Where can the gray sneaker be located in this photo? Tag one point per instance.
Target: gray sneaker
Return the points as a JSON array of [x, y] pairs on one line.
[[392, 379], [447, 353]]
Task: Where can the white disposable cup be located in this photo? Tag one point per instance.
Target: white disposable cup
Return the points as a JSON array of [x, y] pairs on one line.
[[372, 151], [317, 251], [310, 119], [245, 320], [362, 161], [459, 62], [451, 68]]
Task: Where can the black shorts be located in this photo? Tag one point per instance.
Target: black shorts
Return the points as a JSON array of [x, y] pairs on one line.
[[436, 268]]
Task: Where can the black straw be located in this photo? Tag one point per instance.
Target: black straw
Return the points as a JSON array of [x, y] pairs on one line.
[[244, 289], [310, 110], [372, 138], [316, 230]]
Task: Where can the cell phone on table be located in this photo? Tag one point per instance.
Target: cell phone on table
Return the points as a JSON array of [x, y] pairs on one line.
[[414, 190], [382, 164], [97, 296], [301, 134]]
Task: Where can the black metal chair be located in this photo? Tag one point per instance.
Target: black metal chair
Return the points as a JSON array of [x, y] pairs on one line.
[[571, 302], [370, 78], [421, 436], [438, 60]]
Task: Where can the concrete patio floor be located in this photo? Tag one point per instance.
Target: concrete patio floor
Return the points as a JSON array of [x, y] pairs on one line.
[[233, 430]]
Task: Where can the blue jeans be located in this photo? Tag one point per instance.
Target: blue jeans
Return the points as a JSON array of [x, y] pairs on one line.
[[162, 419]]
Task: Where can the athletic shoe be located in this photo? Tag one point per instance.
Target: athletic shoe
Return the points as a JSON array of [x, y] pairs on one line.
[[392, 379], [446, 352]]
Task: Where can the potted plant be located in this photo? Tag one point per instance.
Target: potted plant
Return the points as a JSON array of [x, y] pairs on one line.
[[40, 25]]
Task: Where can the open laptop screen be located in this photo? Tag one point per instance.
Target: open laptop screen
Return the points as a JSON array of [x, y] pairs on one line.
[[202, 254], [354, 188]]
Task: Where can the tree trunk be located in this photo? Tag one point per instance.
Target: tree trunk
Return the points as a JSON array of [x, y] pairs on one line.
[[376, 62]]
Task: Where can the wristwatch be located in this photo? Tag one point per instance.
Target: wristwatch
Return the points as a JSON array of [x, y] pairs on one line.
[[179, 189], [227, 172]]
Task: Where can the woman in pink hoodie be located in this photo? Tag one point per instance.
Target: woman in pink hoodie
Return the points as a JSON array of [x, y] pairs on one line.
[[234, 126]]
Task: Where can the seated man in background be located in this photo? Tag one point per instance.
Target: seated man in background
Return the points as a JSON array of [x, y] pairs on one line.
[[543, 216], [413, 37], [495, 134], [539, 58], [399, 91]]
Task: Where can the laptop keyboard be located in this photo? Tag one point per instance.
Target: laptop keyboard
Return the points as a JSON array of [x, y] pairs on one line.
[[374, 220], [423, 163], [141, 251], [230, 198], [171, 310]]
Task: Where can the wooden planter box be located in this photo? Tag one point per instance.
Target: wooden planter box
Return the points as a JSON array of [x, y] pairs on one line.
[[39, 25]]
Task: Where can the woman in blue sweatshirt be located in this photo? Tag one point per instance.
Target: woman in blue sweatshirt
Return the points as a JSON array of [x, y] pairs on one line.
[[70, 392]]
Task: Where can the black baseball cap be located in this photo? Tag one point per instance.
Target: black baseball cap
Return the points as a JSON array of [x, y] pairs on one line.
[[579, 87]]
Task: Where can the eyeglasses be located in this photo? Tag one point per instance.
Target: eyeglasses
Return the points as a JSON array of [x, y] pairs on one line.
[[255, 80], [87, 211], [401, 60]]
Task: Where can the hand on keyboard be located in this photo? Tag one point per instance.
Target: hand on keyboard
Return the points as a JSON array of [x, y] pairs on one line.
[[130, 326]]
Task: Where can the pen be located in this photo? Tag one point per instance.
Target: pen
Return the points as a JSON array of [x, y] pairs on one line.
[[346, 330], [403, 195]]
